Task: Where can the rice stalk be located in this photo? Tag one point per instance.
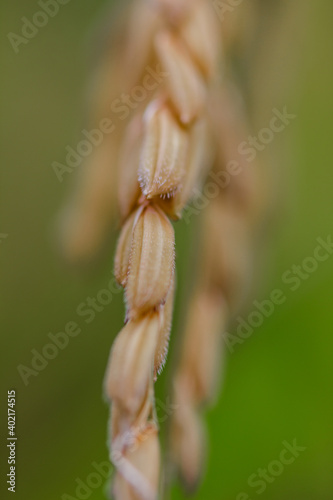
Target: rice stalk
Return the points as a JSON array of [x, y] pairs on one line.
[[151, 167]]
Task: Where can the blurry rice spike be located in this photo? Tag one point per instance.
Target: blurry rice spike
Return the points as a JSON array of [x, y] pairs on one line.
[[185, 83], [138, 467], [188, 443], [200, 31], [246, 189], [202, 353], [131, 363], [165, 311], [128, 167], [151, 262], [196, 381], [86, 221], [122, 55], [163, 156], [226, 259], [227, 252]]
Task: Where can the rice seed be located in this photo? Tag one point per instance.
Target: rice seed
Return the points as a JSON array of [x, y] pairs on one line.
[[138, 468], [151, 264], [185, 83], [136, 48], [188, 444], [131, 363], [200, 32], [163, 157], [124, 424]]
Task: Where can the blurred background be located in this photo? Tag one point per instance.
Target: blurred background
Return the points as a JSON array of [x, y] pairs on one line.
[[278, 383]]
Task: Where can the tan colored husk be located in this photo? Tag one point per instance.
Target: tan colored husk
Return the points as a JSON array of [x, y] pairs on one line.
[[142, 24], [138, 468], [125, 426], [163, 156], [188, 444], [196, 382], [151, 264], [185, 83], [227, 255], [202, 352], [201, 34], [131, 363]]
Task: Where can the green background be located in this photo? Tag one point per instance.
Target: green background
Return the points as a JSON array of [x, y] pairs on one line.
[[278, 384]]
